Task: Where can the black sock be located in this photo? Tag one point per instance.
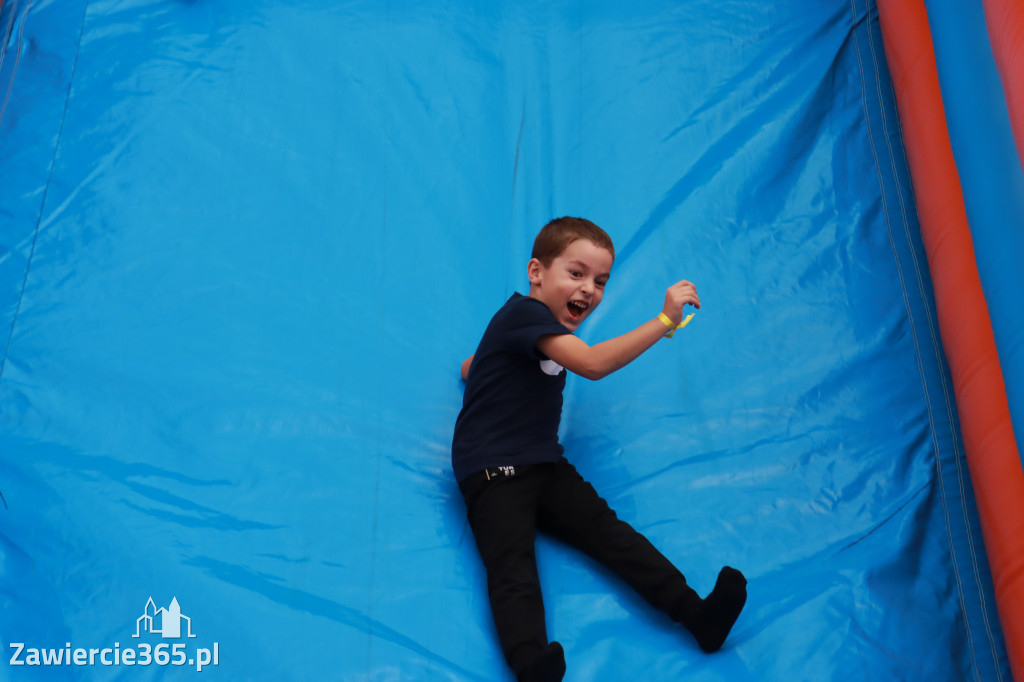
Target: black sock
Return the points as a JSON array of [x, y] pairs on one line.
[[711, 619], [547, 666]]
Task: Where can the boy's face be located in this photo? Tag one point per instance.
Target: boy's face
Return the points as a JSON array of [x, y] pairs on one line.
[[573, 284]]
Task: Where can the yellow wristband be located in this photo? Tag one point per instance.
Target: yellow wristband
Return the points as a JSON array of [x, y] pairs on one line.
[[672, 326]]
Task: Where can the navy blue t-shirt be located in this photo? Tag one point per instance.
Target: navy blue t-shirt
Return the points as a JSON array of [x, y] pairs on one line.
[[513, 400]]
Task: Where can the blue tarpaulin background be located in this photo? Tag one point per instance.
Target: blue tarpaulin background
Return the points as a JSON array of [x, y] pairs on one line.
[[244, 247]]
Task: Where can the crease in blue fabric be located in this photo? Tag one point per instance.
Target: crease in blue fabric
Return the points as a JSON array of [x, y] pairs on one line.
[[42, 203], [247, 579]]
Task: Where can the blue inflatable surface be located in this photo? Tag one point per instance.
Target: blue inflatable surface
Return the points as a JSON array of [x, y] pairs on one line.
[[245, 247]]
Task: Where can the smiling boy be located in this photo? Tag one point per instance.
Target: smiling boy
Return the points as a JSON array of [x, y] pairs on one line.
[[509, 464]]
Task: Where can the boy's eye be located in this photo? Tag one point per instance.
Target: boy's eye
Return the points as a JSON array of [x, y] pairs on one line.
[[575, 273], [600, 283]]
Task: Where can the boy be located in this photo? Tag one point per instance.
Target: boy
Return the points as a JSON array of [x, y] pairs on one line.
[[509, 465]]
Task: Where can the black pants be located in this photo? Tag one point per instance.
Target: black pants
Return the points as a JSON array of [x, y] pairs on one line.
[[505, 513]]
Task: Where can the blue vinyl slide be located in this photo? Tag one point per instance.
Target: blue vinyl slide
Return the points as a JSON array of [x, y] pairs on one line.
[[245, 246]]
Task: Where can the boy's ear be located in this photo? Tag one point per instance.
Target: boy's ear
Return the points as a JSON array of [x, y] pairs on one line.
[[534, 270]]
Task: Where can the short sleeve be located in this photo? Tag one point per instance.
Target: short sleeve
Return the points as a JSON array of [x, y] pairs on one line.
[[530, 319]]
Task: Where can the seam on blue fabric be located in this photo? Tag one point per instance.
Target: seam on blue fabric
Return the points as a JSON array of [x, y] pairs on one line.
[[910, 314], [3, 112], [46, 188], [914, 335], [947, 390], [17, 52], [913, 330], [7, 31]]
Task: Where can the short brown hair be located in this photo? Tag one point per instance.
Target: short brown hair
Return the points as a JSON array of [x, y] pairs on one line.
[[554, 237]]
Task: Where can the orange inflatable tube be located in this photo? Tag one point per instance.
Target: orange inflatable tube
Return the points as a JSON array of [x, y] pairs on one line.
[[967, 337]]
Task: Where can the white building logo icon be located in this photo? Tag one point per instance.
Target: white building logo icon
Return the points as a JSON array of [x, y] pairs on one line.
[[169, 621]]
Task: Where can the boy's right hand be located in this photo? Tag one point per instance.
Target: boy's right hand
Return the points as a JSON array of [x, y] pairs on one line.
[[678, 295], [465, 366]]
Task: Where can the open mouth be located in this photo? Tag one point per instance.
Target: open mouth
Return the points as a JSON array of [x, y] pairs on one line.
[[577, 309]]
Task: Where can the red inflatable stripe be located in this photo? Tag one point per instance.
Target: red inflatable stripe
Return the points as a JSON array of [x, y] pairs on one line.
[[964, 323], [1005, 20]]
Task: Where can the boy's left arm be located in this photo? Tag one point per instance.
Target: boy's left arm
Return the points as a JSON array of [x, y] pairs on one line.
[[465, 366], [600, 360]]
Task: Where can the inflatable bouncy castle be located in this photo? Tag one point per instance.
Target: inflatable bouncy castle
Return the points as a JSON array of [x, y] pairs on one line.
[[245, 247], [955, 102]]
